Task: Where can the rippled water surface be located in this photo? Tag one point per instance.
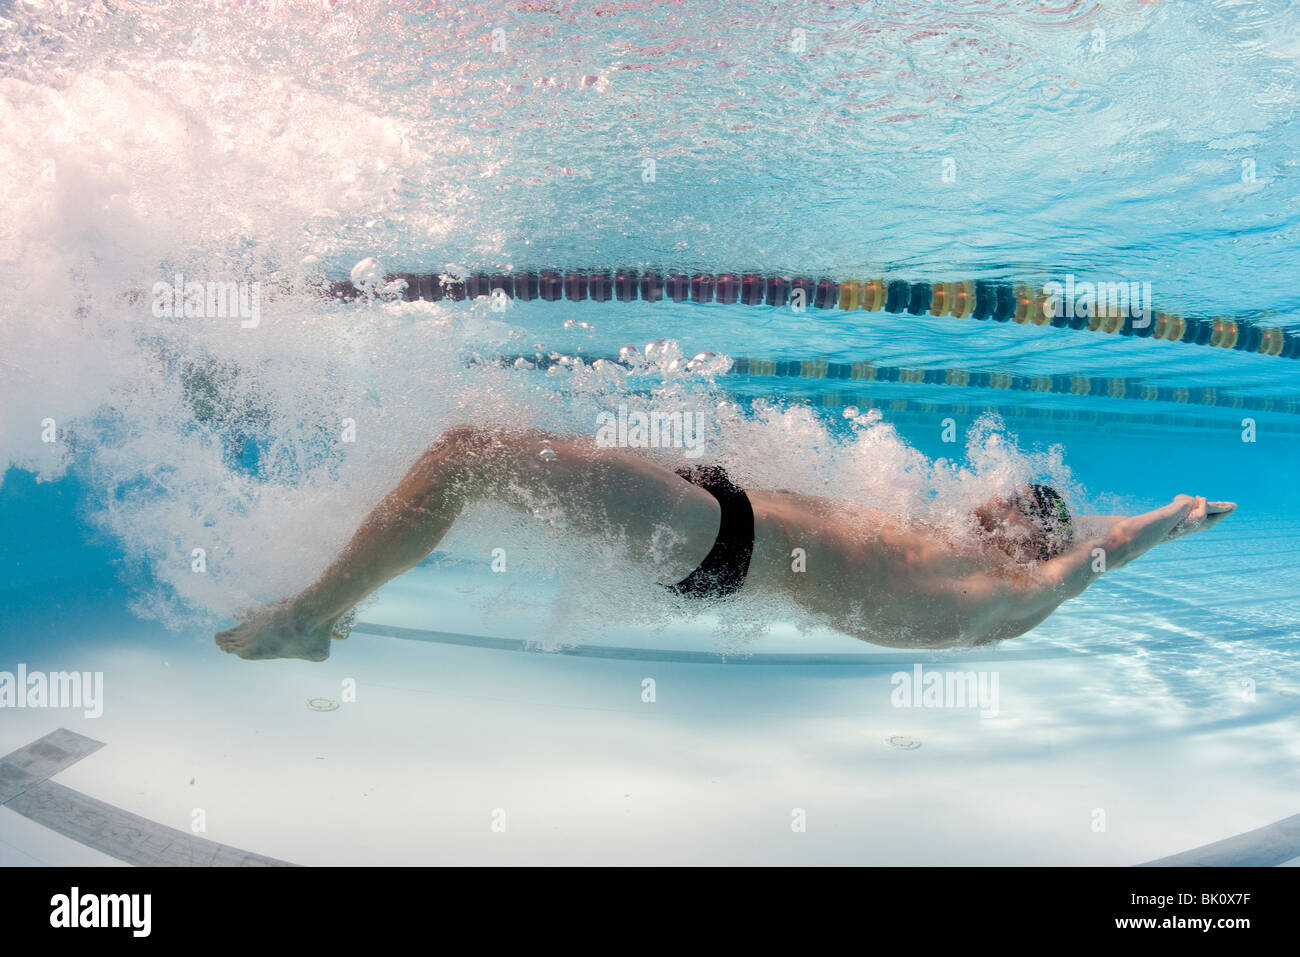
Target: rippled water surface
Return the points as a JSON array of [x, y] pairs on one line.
[[1109, 137]]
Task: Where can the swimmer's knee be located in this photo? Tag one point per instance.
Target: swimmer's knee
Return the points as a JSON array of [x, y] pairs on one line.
[[461, 438], [457, 453], [478, 440], [471, 453], [455, 462]]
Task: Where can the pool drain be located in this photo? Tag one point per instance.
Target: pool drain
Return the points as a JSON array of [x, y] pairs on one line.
[[903, 742], [322, 704]]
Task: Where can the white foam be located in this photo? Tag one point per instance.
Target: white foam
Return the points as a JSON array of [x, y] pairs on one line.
[[119, 171]]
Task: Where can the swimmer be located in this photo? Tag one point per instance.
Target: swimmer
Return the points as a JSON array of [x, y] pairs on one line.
[[865, 572]]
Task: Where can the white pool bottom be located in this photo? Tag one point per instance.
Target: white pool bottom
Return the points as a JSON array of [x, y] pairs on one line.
[[440, 737]]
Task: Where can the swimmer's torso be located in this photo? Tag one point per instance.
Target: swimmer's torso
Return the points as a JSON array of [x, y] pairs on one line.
[[869, 575]]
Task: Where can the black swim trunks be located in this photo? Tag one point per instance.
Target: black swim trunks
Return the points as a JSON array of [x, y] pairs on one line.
[[724, 569]]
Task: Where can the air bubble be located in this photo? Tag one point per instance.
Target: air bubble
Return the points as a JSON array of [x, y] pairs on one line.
[[708, 363], [368, 275]]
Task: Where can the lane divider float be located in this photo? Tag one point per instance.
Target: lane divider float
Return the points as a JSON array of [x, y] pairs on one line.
[[921, 411], [981, 300], [1111, 387]]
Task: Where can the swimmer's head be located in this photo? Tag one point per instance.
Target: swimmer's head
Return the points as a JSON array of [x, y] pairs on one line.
[[1031, 524]]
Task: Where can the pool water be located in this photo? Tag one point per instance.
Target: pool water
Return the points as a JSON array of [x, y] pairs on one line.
[[554, 714]]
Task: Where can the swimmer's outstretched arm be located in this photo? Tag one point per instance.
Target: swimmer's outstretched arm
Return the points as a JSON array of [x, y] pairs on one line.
[[1120, 540]]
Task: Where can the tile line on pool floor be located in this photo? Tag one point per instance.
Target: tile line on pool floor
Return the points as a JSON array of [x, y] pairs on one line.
[[681, 656], [1265, 846], [26, 789]]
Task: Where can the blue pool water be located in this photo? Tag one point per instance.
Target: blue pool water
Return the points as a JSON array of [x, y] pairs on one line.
[[1001, 142]]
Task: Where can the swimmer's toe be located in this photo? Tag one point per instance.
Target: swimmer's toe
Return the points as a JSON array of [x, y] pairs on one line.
[[275, 634]]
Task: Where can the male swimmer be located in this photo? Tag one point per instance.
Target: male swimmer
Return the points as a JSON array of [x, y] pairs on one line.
[[866, 573]]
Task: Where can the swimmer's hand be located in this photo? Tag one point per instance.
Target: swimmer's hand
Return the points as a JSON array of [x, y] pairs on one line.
[[1200, 515]]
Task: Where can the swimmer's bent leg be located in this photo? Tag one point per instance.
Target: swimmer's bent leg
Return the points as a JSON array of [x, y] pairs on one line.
[[598, 490]]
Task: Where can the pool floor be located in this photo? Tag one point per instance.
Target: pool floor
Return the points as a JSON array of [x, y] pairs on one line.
[[445, 744]]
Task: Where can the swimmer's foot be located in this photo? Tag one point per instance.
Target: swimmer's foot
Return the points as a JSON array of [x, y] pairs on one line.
[[278, 632]]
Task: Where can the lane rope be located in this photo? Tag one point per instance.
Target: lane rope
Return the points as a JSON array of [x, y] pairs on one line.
[[1110, 387], [980, 300], [923, 412]]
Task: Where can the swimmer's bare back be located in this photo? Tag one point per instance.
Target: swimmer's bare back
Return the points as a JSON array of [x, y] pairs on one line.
[[858, 570]]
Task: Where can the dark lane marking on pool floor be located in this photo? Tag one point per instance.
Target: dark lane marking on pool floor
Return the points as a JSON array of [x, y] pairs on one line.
[[681, 656]]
